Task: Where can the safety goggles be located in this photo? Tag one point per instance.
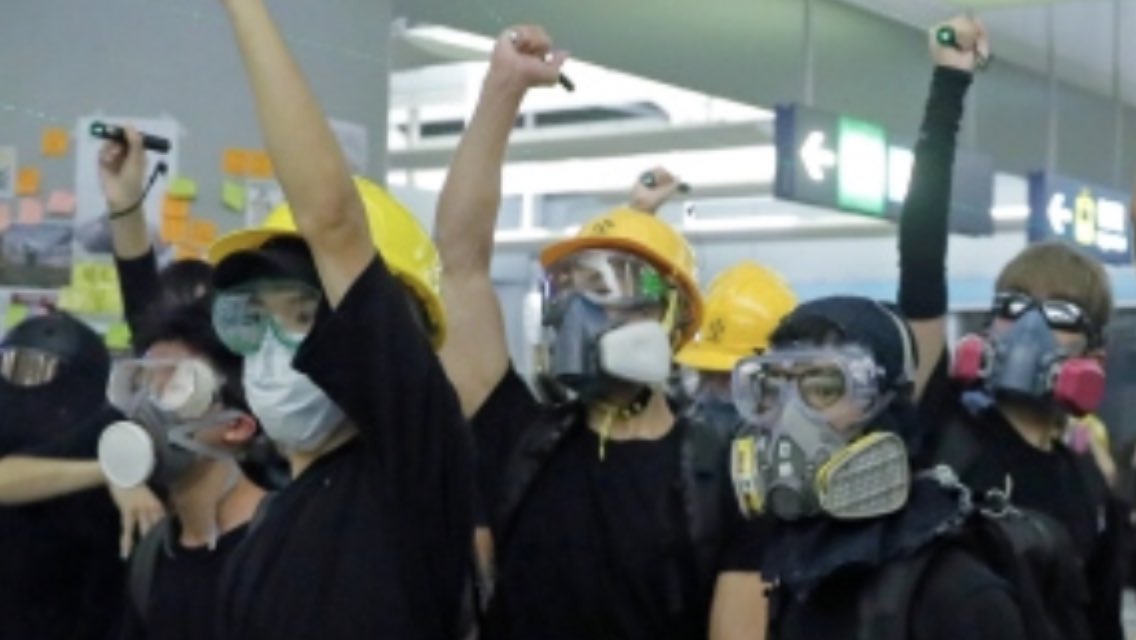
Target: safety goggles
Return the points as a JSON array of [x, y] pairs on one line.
[[614, 280], [186, 387], [243, 316], [27, 367], [822, 378], [1062, 315]]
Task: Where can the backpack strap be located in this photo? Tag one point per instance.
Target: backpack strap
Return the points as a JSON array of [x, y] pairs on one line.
[[885, 604], [536, 445], [143, 562]]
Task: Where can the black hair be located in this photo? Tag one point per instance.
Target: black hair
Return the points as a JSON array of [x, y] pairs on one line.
[[184, 281], [810, 329], [192, 326]]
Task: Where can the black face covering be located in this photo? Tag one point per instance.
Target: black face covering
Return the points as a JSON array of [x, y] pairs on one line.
[[34, 416]]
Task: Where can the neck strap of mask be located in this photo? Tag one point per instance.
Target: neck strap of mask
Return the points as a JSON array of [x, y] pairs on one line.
[[612, 413]]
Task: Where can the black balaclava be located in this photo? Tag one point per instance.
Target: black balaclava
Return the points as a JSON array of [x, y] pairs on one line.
[[34, 416]]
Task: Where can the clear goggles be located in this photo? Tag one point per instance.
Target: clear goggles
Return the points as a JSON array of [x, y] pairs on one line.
[[185, 387], [243, 316], [27, 367], [617, 281], [822, 378], [1062, 315]]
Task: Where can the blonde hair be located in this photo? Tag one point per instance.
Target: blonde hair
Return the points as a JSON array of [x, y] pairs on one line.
[[1056, 270]]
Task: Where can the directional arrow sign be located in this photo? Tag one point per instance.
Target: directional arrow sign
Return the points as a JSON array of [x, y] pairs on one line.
[[816, 157], [1059, 215], [1088, 216]]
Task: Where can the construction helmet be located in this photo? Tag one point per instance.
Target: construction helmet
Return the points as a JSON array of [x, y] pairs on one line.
[[744, 304], [643, 235], [405, 246]]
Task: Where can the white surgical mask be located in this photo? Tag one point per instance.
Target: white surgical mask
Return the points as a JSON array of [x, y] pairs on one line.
[[295, 413]]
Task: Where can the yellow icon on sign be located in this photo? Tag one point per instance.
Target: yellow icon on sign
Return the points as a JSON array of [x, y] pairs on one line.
[[1085, 219]]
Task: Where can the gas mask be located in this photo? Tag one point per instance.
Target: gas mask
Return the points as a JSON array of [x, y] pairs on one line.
[[1025, 361], [166, 403], [603, 315], [807, 450], [711, 401]]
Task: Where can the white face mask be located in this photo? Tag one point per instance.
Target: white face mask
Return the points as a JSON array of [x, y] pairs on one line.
[[295, 413]]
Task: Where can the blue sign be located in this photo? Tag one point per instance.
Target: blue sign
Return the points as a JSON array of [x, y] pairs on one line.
[[1088, 216], [851, 165]]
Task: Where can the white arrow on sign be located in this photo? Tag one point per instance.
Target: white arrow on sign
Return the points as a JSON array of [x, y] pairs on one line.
[[1059, 215], [816, 157]]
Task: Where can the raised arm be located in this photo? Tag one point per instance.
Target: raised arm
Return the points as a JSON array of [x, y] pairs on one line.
[[476, 355], [924, 223], [307, 157]]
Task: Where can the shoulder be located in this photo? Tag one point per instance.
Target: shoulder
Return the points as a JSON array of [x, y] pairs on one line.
[[981, 603]]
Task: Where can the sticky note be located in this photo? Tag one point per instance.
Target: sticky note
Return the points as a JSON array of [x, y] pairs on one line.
[[14, 315], [201, 233], [233, 195], [55, 142], [117, 336], [27, 181], [259, 165], [5, 216], [172, 208], [73, 299], [31, 211], [182, 188], [61, 202], [235, 162], [94, 275], [173, 230], [186, 252]]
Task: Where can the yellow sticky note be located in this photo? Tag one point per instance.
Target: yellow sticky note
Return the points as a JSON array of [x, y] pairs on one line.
[[27, 181], [182, 188], [201, 233], [106, 301], [235, 162], [233, 195], [14, 315], [172, 208], [55, 142], [173, 230], [93, 275], [5, 216], [259, 165], [31, 211], [74, 299], [61, 202], [117, 336]]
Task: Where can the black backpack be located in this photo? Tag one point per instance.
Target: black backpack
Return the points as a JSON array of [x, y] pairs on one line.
[[703, 467]]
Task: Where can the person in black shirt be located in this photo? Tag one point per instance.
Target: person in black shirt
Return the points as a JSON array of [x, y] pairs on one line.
[[602, 528], [373, 537], [1052, 303], [60, 568], [824, 457]]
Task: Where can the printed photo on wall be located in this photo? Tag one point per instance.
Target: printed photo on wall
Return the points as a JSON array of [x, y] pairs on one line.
[[36, 255], [8, 169]]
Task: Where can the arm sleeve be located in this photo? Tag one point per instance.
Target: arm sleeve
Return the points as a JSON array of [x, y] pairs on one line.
[[138, 281], [924, 221]]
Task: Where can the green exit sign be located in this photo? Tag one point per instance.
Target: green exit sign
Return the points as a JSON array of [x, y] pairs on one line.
[[862, 156]]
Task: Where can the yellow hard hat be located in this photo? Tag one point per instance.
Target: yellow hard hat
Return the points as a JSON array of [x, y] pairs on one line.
[[405, 246], [643, 235], [744, 305]]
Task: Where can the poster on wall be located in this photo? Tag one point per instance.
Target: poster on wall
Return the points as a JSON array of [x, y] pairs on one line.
[[92, 229], [8, 168], [36, 254], [261, 197], [353, 138]]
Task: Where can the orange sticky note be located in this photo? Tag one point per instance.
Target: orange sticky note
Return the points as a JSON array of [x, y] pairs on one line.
[[61, 202], [55, 142], [27, 181], [173, 229], [173, 208], [235, 162], [186, 252], [5, 216], [31, 211], [259, 165], [201, 233]]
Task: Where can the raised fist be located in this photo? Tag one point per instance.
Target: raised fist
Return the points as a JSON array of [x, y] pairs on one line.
[[970, 49], [524, 57]]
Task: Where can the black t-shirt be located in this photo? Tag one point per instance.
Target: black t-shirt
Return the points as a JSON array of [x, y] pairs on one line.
[[60, 574], [374, 539], [183, 592], [599, 548], [958, 598], [1052, 482]]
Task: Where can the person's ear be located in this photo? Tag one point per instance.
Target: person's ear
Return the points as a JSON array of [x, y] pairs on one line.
[[240, 430]]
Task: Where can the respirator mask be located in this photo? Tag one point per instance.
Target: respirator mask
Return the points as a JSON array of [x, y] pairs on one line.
[[1025, 362], [807, 449], [167, 402], [606, 316], [711, 399]]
